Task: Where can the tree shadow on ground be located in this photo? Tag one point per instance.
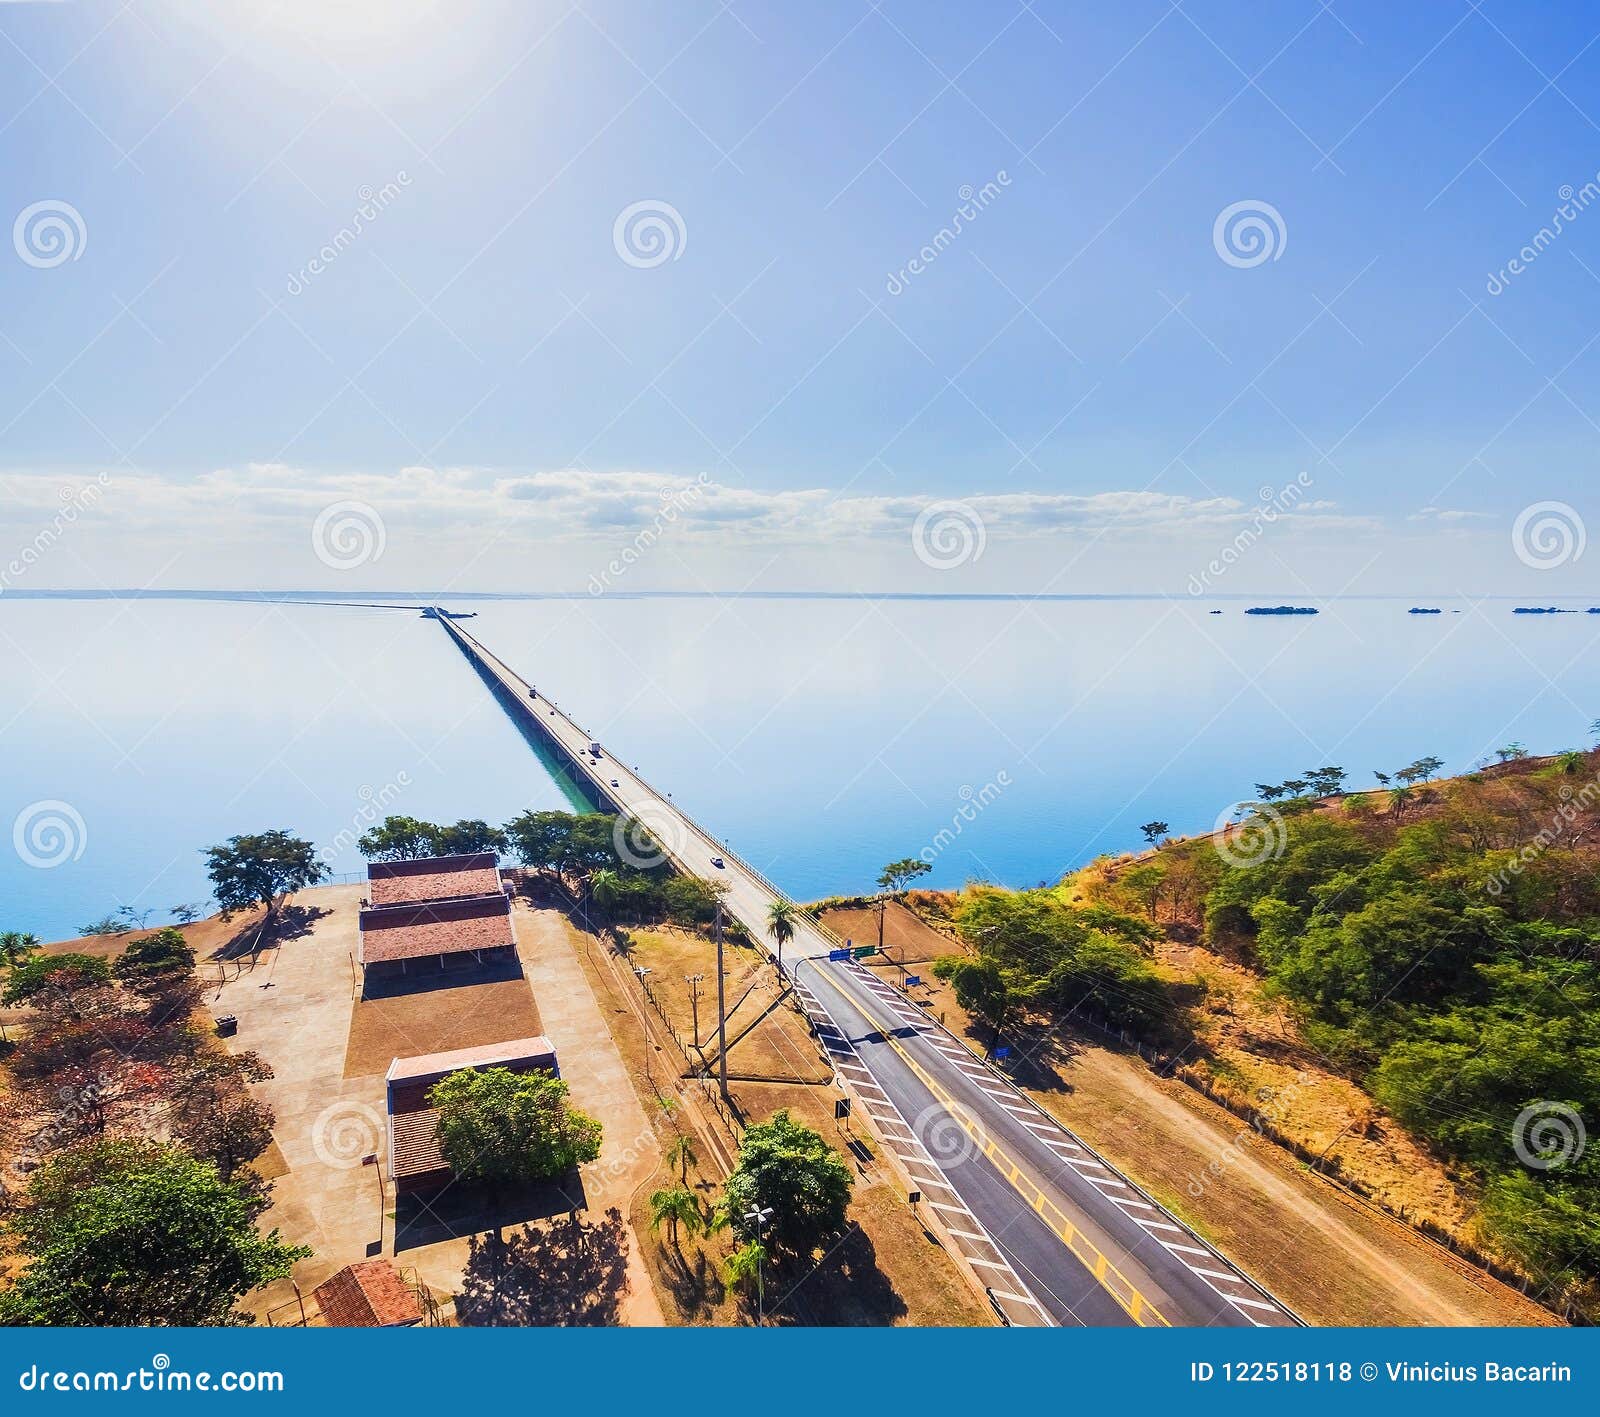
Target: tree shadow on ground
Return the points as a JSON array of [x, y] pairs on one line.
[[845, 1289], [568, 1273], [291, 923], [696, 1287]]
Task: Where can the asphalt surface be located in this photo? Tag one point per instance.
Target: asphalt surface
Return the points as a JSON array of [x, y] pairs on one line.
[[1090, 1247]]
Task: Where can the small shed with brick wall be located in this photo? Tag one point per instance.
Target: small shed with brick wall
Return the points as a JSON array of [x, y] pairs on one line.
[[416, 1162]]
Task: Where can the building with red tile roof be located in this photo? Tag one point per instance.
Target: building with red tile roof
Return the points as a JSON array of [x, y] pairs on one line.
[[367, 1295], [416, 1161], [432, 911], [433, 878]]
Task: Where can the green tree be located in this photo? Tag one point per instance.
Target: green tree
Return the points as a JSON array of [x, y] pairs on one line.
[[400, 839], [980, 988], [781, 918], [897, 875], [499, 1126], [127, 1233], [466, 838], [15, 947], [688, 900], [60, 976], [260, 869], [1155, 832], [675, 1207], [791, 1170], [607, 889], [153, 961], [745, 1269], [682, 1155]]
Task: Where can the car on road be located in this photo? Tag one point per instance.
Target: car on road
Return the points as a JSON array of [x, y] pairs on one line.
[[717, 862], [615, 783]]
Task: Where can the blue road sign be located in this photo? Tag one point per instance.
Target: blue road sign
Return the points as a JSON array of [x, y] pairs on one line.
[[838, 954], [1002, 1052], [913, 979]]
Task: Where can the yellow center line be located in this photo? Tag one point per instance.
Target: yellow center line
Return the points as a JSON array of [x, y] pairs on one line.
[[1110, 1278]]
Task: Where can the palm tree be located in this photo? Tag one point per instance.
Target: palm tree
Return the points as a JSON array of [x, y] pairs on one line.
[[682, 1155], [745, 1268], [15, 946], [605, 886], [780, 925], [674, 1207]]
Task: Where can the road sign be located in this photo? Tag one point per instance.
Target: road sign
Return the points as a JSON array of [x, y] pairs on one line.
[[913, 979], [838, 954], [862, 951], [841, 1108], [913, 1196], [1002, 1052]]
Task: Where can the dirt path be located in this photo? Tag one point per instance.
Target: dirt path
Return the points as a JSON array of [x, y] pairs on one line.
[[631, 1152], [1333, 1259]]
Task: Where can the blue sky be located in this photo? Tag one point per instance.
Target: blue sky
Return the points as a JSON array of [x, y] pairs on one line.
[[507, 401]]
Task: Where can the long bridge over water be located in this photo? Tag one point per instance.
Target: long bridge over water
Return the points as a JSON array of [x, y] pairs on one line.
[[1054, 1232]]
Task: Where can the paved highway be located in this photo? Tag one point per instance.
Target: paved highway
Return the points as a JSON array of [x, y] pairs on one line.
[[1054, 1232]]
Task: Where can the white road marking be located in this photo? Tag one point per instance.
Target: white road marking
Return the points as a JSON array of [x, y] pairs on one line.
[[1138, 1205], [1252, 1303], [1185, 1249]]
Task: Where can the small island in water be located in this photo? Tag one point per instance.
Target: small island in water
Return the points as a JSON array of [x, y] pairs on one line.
[[1281, 610], [1424, 610]]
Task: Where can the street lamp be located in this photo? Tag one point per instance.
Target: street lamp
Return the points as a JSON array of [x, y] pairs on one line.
[[759, 1217]]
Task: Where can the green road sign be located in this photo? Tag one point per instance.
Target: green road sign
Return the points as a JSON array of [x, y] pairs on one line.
[[862, 951]]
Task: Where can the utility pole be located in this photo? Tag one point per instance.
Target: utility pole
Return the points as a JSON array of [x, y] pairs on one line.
[[694, 981], [722, 1009]]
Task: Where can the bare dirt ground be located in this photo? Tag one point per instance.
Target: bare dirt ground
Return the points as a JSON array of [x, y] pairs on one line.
[[1326, 1254]]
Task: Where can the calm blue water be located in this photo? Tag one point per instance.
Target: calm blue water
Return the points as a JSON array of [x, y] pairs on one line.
[[822, 738]]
